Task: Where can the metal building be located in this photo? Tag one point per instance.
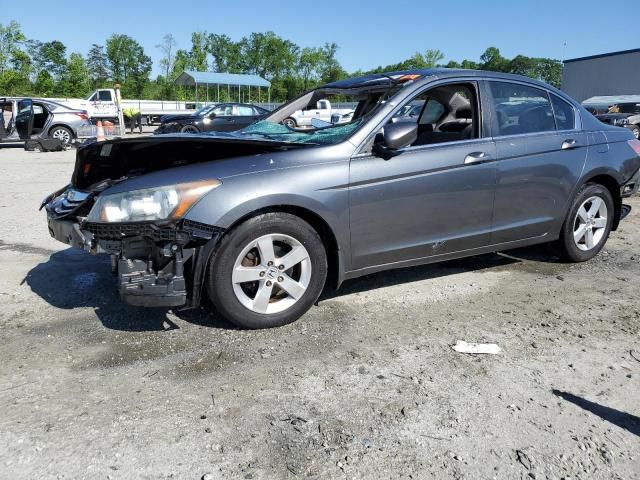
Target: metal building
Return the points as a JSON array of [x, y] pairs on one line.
[[227, 80], [616, 73]]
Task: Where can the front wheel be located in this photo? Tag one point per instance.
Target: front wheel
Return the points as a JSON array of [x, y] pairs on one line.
[[635, 129], [268, 271], [588, 224], [189, 129], [290, 122]]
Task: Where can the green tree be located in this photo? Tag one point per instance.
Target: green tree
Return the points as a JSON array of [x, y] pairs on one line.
[[97, 66], [75, 80], [309, 65], [11, 38], [44, 85], [492, 60], [199, 51], [225, 53], [430, 58], [53, 57], [128, 63]]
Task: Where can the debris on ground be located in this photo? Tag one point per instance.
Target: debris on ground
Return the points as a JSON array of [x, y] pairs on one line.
[[476, 348]]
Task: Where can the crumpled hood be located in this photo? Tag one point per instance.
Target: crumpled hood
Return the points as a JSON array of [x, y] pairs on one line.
[[121, 159]]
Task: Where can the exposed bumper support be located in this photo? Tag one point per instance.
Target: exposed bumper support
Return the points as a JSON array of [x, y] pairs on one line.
[[157, 266], [631, 187], [140, 285]]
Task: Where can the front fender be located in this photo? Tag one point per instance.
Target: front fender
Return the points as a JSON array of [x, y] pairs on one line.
[[320, 189]]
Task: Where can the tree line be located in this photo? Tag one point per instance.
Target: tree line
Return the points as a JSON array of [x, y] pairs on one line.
[[29, 67]]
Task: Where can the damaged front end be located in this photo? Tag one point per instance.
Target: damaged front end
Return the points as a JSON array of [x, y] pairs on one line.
[[158, 263], [120, 202]]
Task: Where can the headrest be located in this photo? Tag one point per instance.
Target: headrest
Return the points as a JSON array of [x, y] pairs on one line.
[[464, 112]]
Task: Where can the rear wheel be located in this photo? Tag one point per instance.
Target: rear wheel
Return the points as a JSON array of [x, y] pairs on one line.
[[189, 129], [289, 122], [588, 224], [61, 133], [268, 271]]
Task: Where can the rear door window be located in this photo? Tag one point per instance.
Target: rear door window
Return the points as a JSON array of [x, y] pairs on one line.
[[564, 113], [521, 109], [245, 111]]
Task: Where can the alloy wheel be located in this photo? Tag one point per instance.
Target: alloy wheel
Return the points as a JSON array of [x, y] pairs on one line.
[[61, 134], [271, 273], [590, 224]]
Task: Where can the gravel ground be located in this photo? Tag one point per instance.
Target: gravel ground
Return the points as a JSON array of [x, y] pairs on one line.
[[365, 385]]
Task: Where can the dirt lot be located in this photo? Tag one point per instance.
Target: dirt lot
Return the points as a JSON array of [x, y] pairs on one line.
[[366, 385]]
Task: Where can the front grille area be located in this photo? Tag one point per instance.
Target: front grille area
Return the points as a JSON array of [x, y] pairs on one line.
[[181, 232], [118, 231]]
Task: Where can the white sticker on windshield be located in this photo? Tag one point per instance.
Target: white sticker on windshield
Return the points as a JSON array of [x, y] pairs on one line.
[[106, 150]]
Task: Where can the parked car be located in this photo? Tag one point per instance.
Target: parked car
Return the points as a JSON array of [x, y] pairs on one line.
[[321, 111], [224, 117], [32, 118], [625, 115], [261, 219]]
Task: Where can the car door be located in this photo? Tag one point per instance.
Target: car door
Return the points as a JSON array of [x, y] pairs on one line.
[[541, 151], [427, 201], [222, 120], [24, 119], [246, 116]]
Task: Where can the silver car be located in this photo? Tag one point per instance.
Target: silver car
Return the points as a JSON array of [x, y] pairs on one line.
[[31, 118], [259, 220]]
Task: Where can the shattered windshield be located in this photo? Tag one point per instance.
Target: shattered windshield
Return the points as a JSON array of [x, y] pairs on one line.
[[282, 133], [325, 116]]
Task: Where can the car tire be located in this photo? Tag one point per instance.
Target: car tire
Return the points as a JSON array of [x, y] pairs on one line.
[[249, 287], [289, 122], [635, 129], [64, 134], [189, 129], [587, 225]]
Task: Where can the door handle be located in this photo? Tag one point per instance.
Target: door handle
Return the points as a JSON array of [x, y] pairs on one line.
[[477, 157], [569, 144]]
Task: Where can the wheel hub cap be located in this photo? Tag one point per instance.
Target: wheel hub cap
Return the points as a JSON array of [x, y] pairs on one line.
[[590, 224], [271, 273]]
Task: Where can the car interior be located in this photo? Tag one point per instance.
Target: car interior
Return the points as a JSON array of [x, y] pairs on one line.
[[446, 113], [40, 117], [6, 118], [521, 109]]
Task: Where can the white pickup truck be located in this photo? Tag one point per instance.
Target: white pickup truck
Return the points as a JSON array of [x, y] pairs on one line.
[[323, 111], [101, 105]]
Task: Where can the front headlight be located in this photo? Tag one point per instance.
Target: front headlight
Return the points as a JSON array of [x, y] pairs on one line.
[[622, 121], [161, 203]]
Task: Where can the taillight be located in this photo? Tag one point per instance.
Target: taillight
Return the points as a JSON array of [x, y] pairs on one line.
[[635, 144], [83, 115]]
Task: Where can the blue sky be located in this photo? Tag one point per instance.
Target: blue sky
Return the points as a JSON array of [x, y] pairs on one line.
[[369, 33]]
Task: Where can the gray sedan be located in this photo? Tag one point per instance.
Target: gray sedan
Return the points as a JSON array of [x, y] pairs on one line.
[[31, 118], [262, 219]]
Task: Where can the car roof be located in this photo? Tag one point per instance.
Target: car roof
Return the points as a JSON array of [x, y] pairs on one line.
[[421, 74]]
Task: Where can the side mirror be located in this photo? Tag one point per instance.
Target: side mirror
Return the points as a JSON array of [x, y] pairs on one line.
[[212, 115], [394, 137]]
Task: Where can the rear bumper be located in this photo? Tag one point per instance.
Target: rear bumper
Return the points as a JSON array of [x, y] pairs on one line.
[[631, 187]]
